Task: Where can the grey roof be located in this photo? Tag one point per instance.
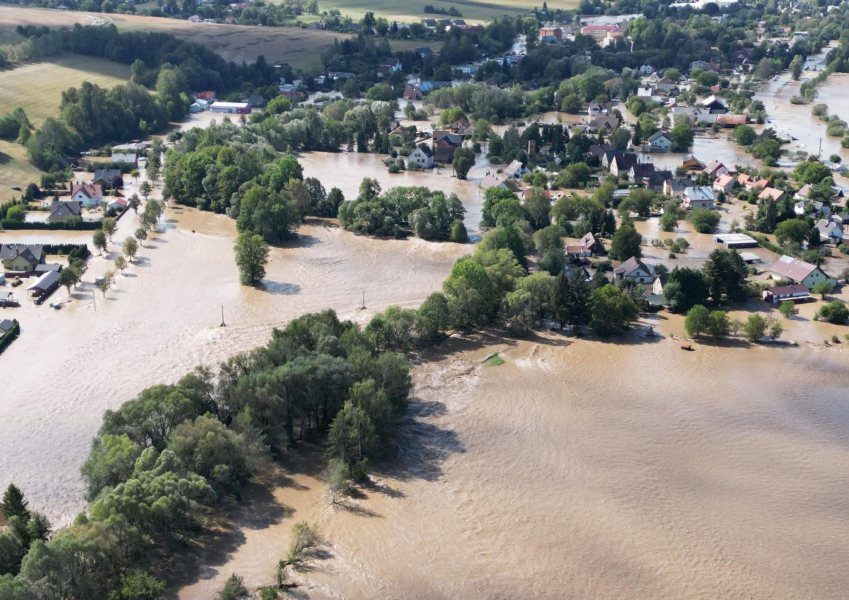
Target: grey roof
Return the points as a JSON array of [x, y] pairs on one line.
[[107, 175], [428, 151], [659, 134], [629, 266], [64, 208], [118, 157], [45, 281], [699, 193], [5, 325], [33, 252]]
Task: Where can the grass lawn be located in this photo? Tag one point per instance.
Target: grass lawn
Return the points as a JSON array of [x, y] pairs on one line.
[[414, 11], [15, 169], [38, 86]]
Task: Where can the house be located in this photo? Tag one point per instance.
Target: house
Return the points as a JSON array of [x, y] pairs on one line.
[[412, 92], [714, 105], [657, 179], [87, 194], [461, 126], [491, 181], [697, 197], [526, 193], [40, 269], [744, 180], [804, 193], [443, 149], [659, 283], [792, 269], [21, 258], [119, 158], [550, 34], [421, 156], [757, 184], [598, 150], [606, 122], [830, 231], [44, 284], [109, 178], [429, 23], [666, 84], [117, 205], [730, 120], [715, 168], [598, 108], [514, 169], [842, 218], [622, 163], [804, 207], [423, 52], [691, 163], [232, 108], [578, 251], [61, 210], [698, 64], [640, 172], [771, 193], [206, 95], [337, 75], [660, 141], [392, 63], [633, 270], [195, 19], [723, 183], [591, 241], [608, 156], [795, 293], [674, 188], [132, 147]]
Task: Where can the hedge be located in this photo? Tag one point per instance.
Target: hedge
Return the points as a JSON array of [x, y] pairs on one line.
[[71, 250], [65, 225], [10, 336]]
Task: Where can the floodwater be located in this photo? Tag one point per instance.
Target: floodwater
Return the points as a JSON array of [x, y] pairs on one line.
[[161, 320], [588, 469]]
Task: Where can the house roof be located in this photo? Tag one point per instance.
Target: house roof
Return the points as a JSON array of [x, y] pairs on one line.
[[660, 134], [731, 119], [64, 208], [426, 149], [641, 170], [624, 161], [604, 121], [441, 135], [785, 290], [712, 101], [45, 281], [107, 175], [723, 181], [713, 166], [629, 266], [31, 252], [792, 268], [120, 202], [772, 193], [577, 249], [5, 324], [513, 168], [590, 240], [90, 190], [699, 193], [119, 157], [598, 149], [805, 191]]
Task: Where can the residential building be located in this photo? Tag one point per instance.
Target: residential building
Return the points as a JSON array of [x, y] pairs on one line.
[[550, 34], [606, 122], [462, 126], [805, 207], [412, 92], [715, 168], [794, 270], [21, 257], [421, 156], [599, 32], [674, 188], [514, 169], [659, 283], [595, 109], [804, 192], [622, 163], [795, 293], [633, 270], [87, 194], [697, 197], [125, 159], [691, 163], [61, 210], [723, 183], [640, 172], [771, 193], [714, 105], [592, 242], [660, 141], [109, 178], [830, 231]]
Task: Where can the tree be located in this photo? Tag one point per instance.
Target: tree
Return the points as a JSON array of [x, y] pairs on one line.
[[458, 233], [619, 139], [726, 274], [108, 227], [823, 288], [251, 257], [141, 235], [703, 219], [104, 285], [433, 317], [571, 300], [16, 213], [697, 321], [755, 327], [538, 207], [131, 248], [682, 136], [135, 174], [685, 288], [99, 240], [718, 324], [811, 171], [796, 67], [134, 202], [612, 310], [745, 135], [788, 309], [120, 263], [146, 189], [138, 586], [792, 230], [111, 461], [13, 503], [775, 330], [669, 220], [69, 277], [338, 475], [834, 312], [626, 243], [464, 160]]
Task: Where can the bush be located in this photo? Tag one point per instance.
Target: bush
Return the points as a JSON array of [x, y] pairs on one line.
[[233, 589], [834, 312], [72, 225]]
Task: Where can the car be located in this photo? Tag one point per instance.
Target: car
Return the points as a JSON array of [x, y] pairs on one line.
[[17, 188]]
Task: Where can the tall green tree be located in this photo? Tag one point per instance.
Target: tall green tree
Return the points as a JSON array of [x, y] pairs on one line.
[[251, 257]]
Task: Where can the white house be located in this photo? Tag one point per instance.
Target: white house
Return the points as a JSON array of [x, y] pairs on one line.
[[697, 197], [87, 194], [421, 156], [802, 207], [633, 270], [660, 141], [830, 231], [514, 169], [794, 270]]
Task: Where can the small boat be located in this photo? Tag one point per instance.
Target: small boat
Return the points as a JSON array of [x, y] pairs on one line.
[[687, 347]]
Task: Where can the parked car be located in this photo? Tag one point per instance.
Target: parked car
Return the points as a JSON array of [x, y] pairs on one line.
[[17, 188]]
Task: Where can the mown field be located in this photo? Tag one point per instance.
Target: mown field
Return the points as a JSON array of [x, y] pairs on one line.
[[15, 169], [409, 12]]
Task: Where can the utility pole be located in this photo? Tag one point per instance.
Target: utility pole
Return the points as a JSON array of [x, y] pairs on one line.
[[364, 301], [223, 324]]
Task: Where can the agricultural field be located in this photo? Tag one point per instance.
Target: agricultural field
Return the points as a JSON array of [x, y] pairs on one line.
[[414, 11], [38, 86], [15, 169]]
